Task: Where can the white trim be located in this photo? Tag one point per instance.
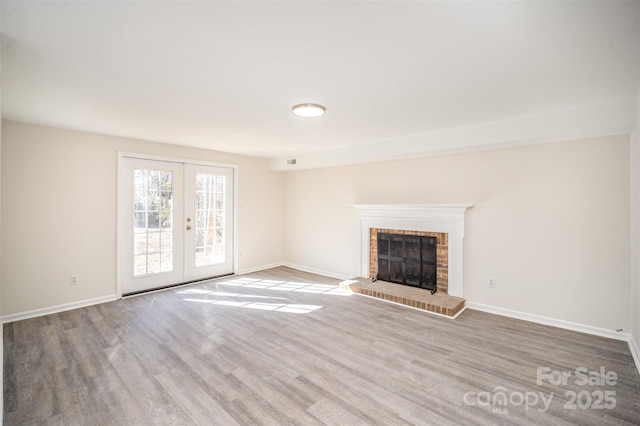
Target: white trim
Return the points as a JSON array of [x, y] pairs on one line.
[[2, 376], [444, 218], [445, 213], [143, 156], [58, 308], [120, 214], [316, 271], [300, 268], [635, 352], [236, 216], [539, 319], [260, 268]]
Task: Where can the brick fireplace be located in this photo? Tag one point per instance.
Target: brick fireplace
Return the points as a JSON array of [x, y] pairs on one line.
[[443, 221], [442, 253]]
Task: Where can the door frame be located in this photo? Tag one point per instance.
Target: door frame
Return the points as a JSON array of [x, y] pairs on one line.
[[120, 213]]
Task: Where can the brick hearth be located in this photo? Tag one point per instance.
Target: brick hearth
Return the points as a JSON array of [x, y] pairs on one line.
[[439, 303]]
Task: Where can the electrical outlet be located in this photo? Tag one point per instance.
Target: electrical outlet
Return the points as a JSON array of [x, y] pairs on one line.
[[491, 282], [74, 279]]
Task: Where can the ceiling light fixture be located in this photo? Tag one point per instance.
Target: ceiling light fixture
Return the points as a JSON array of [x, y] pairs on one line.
[[308, 110]]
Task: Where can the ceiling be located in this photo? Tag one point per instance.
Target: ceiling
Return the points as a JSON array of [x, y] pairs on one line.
[[224, 75]]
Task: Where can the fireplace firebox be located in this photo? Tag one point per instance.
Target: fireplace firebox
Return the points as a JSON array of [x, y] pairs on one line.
[[408, 260]]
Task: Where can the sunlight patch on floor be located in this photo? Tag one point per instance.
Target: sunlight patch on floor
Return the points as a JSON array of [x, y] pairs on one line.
[[203, 292], [277, 307], [264, 303], [302, 287]]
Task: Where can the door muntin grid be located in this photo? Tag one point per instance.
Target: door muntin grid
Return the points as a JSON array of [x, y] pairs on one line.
[[153, 214], [210, 246]]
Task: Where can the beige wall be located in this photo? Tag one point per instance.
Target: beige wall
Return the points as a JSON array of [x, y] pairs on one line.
[[550, 222], [59, 212]]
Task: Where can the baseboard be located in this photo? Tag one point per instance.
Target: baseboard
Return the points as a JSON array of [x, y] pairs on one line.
[[316, 271], [2, 377], [56, 309], [83, 303], [259, 268], [635, 352], [603, 332]]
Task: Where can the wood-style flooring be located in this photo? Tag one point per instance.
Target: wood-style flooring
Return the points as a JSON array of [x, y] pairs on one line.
[[281, 347]]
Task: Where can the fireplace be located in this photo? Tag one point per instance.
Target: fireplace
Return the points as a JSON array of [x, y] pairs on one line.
[[443, 221], [441, 257], [407, 259]]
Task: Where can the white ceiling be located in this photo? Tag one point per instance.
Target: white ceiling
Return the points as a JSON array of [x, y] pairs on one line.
[[224, 75]]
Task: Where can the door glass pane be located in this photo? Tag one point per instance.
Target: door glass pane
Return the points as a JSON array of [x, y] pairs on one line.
[[210, 202], [152, 222]]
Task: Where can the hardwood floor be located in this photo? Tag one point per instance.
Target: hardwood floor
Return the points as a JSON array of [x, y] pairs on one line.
[[284, 347]]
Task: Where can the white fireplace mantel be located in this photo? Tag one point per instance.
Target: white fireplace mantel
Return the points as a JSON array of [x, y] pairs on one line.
[[446, 218]]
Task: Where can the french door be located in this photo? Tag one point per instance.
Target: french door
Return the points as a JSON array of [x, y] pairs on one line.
[[176, 223]]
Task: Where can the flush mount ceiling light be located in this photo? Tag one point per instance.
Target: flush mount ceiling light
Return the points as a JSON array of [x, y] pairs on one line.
[[308, 110]]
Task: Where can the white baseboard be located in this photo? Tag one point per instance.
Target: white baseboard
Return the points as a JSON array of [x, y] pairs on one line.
[[56, 309], [603, 332], [635, 352], [294, 266], [259, 268], [83, 303], [316, 271], [2, 376]]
